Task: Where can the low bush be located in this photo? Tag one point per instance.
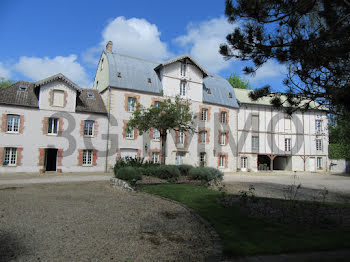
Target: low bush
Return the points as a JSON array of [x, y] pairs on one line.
[[167, 172], [205, 174], [148, 171], [128, 173], [185, 169], [132, 162]]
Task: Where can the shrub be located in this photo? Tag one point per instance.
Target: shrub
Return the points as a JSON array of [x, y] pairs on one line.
[[184, 169], [128, 173], [148, 171], [167, 172], [133, 162], [206, 174]]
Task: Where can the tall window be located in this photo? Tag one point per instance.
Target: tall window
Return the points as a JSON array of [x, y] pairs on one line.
[[287, 144], [179, 160], [223, 117], [244, 162], [130, 133], [318, 125], [255, 123], [155, 157], [319, 144], [255, 142], [204, 114], [88, 127], [131, 104], [222, 161], [202, 136], [58, 98], [202, 158], [87, 157], [183, 69], [156, 134], [287, 123], [10, 158], [12, 123], [319, 163], [52, 126], [181, 138], [183, 88], [223, 139]]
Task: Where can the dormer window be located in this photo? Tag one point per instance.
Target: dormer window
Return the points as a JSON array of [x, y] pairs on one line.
[[58, 98], [183, 90], [119, 75], [90, 95], [149, 80], [23, 88], [183, 69], [209, 91], [230, 95]]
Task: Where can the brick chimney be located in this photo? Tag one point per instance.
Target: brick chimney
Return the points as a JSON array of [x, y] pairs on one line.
[[109, 47]]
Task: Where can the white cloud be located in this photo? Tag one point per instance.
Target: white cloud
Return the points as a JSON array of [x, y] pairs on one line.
[[38, 68], [202, 40], [135, 37], [4, 72], [270, 69]]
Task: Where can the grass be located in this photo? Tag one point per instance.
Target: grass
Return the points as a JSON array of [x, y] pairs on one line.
[[243, 235]]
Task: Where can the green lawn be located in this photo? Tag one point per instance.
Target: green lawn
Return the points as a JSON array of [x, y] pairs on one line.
[[244, 235]]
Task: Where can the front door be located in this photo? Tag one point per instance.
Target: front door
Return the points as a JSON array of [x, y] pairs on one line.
[[244, 163], [312, 164], [51, 159]]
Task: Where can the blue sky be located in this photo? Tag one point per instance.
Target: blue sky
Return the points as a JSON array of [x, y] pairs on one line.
[[42, 38]]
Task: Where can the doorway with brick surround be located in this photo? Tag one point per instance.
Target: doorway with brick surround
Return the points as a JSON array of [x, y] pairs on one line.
[[50, 159]]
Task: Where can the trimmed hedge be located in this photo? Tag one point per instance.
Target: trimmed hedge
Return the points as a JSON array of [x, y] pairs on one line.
[[185, 169], [128, 174], [167, 172], [206, 174], [338, 151]]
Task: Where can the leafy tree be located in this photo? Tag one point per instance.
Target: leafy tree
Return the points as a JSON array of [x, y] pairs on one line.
[[339, 133], [5, 83], [168, 115], [237, 82], [310, 37]]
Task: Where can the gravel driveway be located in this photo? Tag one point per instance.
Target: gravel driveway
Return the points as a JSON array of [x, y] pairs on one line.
[[90, 221]]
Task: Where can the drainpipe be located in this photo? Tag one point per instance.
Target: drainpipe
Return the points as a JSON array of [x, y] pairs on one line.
[[108, 120]]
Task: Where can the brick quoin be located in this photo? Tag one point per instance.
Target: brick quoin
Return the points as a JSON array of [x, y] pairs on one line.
[[21, 124], [4, 123], [50, 97], [82, 122], [65, 98], [45, 123], [80, 157], [59, 156], [19, 156], [1, 155], [41, 156], [94, 157], [60, 126], [95, 128]]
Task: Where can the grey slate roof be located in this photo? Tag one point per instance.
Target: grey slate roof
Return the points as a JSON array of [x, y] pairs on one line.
[[134, 73], [12, 95], [217, 90]]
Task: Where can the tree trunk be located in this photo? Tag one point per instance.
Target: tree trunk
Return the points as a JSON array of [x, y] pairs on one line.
[[163, 136]]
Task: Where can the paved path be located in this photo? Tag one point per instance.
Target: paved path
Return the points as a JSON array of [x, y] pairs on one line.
[[335, 183], [20, 179]]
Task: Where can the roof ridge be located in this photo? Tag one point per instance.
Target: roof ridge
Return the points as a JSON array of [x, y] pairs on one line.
[[135, 57]]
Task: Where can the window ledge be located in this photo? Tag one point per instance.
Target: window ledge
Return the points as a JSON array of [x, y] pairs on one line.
[[12, 132], [52, 134]]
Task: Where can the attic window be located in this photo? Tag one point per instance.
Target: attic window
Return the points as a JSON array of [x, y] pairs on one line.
[[209, 91], [90, 95], [230, 95], [119, 74], [149, 80], [22, 88]]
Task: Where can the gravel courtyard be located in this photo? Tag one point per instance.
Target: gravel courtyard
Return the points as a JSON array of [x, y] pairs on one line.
[[90, 221]]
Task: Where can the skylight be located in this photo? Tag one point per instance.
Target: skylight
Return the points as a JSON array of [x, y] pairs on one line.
[[90, 95]]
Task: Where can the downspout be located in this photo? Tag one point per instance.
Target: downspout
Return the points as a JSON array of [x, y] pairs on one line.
[[108, 120]]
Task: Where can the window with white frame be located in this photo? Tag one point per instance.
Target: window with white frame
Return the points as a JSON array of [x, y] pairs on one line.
[[10, 158], [181, 138], [131, 104], [287, 144], [156, 103], [88, 127], [244, 162], [156, 134], [223, 117], [52, 126], [319, 144], [87, 157], [222, 161], [204, 114], [202, 136], [179, 160], [183, 69], [319, 163], [183, 86], [155, 157], [130, 132], [318, 125], [13, 123], [202, 158], [58, 98], [222, 138], [255, 142]]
